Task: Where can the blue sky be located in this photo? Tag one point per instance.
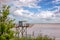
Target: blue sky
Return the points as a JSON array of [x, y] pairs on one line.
[[34, 11]]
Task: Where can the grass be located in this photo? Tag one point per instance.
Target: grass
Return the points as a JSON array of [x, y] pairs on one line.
[[36, 38]]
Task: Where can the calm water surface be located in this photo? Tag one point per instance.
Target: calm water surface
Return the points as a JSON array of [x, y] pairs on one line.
[[50, 31]]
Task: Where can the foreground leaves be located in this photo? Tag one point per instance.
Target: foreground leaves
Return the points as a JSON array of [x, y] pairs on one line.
[[6, 25]]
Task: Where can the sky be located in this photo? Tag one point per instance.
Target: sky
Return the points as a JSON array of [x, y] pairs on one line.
[[34, 11]]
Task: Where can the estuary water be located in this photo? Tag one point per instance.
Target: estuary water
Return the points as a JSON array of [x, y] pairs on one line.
[[52, 30]]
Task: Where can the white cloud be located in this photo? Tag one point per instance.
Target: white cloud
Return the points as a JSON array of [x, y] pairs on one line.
[[23, 13], [46, 14], [26, 13], [56, 1], [11, 17], [58, 7], [28, 3], [5, 1], [42, 17]]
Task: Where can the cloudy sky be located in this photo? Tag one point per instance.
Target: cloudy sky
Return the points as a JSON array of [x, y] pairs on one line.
[[34, 11]]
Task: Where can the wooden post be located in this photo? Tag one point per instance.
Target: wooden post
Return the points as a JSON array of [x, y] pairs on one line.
[[22, 31]]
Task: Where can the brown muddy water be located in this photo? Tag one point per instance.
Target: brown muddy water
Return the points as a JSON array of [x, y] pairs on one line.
[[50, 29]]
